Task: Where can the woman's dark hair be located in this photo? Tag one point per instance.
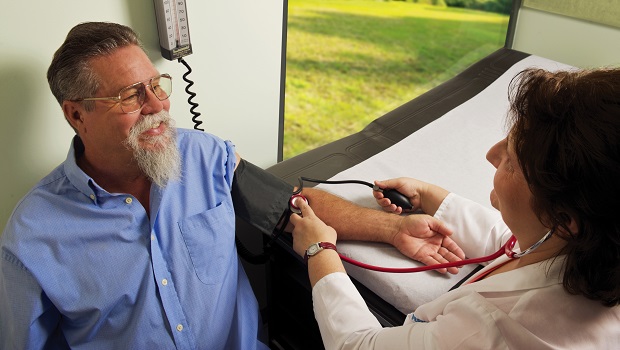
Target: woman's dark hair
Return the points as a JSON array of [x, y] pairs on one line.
[[566, 131]]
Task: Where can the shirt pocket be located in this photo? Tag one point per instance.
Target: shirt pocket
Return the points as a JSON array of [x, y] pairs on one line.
[[210, 239]]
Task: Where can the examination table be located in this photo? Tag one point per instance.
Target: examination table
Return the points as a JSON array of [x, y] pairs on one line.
[[440, 137]]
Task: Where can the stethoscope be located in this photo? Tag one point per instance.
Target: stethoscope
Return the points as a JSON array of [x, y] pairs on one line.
[[507, 248]]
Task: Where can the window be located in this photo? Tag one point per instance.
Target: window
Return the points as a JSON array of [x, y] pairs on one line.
[[349, 62]]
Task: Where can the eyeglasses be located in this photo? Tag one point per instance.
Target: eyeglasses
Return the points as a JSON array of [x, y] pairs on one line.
[[132, 97]]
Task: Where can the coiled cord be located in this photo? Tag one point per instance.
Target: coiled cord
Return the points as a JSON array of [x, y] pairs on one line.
[[191, 94]]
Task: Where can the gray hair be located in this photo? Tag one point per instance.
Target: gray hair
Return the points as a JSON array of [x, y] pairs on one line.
[[70, 76]]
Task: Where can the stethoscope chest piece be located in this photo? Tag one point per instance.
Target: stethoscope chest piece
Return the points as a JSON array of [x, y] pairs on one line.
[[292, 203]]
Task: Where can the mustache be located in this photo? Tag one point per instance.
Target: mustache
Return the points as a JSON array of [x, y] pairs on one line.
[[148, 121]]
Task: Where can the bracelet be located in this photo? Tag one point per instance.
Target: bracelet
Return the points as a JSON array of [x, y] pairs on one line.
[[315, 248]]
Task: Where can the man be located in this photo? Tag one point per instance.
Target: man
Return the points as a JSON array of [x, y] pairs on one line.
[[129, 243]]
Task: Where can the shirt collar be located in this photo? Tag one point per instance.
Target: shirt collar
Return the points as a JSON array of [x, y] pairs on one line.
[[76, 175]]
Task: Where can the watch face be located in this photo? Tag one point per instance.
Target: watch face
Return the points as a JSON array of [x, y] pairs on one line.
[[313, 249]]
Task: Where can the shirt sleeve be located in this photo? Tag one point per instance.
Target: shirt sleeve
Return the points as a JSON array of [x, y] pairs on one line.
[[467, 321], [478, 230], [28, 318], [341, 313], [231, 163], [346, 322]]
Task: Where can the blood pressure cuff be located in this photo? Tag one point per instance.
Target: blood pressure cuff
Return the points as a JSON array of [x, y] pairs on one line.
[[259, 197]]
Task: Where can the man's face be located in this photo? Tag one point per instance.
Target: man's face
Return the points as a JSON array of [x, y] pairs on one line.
[[113, 138]]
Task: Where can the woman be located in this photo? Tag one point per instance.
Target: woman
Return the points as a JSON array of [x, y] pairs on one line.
[[557, 189]]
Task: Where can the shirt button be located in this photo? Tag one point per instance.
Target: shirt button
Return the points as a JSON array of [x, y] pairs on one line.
[[92, 196], [128, 200], [179, 327], [164, 282], [152, 237]]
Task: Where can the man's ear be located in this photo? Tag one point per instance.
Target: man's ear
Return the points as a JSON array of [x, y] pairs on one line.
[[74, 113]]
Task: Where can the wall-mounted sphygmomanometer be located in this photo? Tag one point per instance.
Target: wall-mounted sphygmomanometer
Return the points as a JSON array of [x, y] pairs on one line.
[[173, 28], [175, 42]]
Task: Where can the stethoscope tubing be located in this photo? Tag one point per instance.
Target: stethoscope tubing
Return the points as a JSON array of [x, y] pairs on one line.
[[505, 249]]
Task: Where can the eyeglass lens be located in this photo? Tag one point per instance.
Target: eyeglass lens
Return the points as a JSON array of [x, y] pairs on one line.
[[133, 97]]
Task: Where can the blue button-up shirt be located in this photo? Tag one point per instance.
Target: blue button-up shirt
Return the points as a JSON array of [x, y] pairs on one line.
[[90, 269]]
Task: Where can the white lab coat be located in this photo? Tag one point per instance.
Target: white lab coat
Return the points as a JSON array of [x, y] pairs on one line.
[[525, 308]]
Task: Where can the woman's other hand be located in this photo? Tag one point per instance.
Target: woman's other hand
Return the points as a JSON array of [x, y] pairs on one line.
[[423, 196]]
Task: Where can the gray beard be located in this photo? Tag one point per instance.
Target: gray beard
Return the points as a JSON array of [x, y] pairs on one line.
[[161, 163]]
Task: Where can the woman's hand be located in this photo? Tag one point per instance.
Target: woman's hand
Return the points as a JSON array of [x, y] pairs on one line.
[[426, 239], [309, 229], [407, 186], [422, 195]]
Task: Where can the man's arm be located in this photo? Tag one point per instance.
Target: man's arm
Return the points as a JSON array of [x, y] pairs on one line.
[[27, 317], [354, 222]]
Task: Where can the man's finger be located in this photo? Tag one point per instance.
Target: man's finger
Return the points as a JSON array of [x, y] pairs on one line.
[[439, 227], [453, 248]]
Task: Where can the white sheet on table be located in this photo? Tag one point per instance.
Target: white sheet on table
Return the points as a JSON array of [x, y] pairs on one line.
[[449, 152]]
